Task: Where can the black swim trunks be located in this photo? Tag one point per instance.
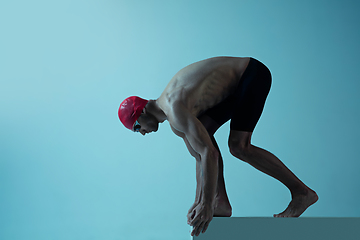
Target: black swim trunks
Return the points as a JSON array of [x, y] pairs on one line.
[[245, 105]]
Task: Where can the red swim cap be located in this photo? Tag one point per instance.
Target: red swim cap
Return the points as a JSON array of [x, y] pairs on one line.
[[130, 110]]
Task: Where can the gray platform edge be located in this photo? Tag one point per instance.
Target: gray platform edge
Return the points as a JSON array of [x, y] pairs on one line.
[[309, 228]]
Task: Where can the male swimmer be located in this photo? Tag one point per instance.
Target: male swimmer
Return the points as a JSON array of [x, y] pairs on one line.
[[198, 100]]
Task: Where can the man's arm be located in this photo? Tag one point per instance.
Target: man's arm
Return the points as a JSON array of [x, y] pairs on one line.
[[198, 138]]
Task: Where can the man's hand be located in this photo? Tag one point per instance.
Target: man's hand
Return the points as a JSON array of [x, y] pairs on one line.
[[200, 217]]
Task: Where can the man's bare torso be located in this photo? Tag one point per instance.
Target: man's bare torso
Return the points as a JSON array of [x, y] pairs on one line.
[[202, 85]]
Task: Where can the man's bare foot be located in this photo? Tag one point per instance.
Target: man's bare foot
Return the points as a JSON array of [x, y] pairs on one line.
[[299, 204], [222, 208]]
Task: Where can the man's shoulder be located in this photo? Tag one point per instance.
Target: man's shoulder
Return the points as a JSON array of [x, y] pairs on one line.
[[177, 113], [170, 102]]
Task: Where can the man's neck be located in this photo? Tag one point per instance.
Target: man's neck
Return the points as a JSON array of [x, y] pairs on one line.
[[153, 108]]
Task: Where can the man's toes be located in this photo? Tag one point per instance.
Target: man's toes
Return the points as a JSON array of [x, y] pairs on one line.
[[280, 214]]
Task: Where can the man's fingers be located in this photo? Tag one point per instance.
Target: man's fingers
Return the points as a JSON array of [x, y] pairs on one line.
[[195, 220], [196, 229], [193, 231], [200, 220], [195, 223], [190, 217], [205, 226], [199, 228]]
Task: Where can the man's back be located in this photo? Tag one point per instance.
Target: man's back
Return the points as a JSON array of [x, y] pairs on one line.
[[203, 84]]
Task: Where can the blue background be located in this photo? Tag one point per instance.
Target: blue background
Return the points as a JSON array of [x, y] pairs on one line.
[[70, 170]]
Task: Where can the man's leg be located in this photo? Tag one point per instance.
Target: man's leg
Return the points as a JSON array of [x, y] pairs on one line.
[[223, 207], [302, 196]]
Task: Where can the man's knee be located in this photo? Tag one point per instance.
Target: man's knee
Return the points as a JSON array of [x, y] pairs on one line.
[[239, 148]]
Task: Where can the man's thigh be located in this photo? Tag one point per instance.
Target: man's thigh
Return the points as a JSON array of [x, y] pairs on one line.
[[250, 97], [218, 115], [210, 124]]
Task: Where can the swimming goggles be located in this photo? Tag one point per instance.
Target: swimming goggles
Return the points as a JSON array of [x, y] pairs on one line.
[[136, 127]]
